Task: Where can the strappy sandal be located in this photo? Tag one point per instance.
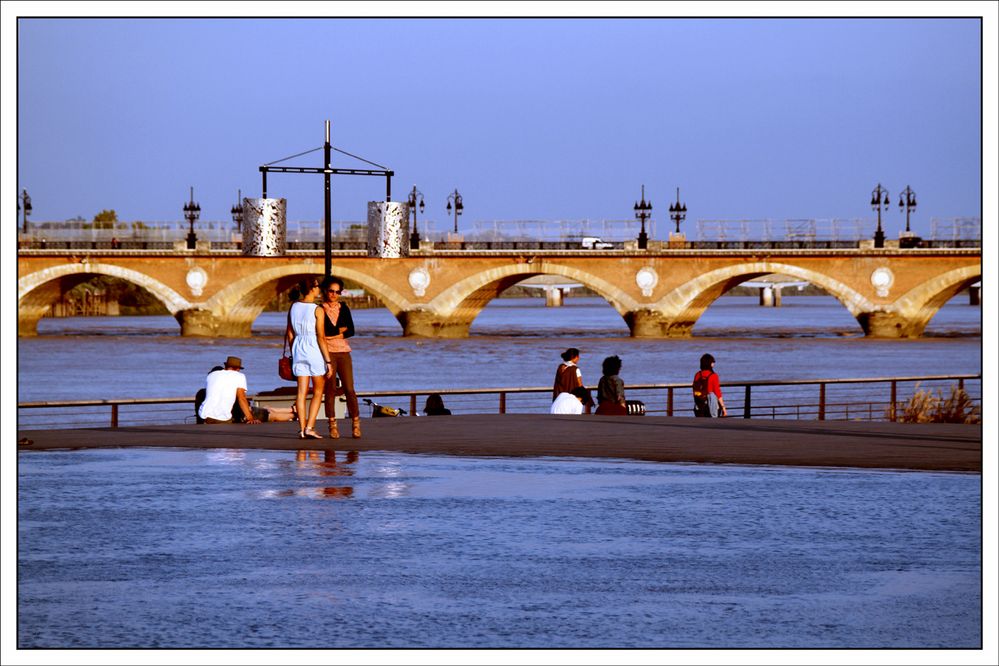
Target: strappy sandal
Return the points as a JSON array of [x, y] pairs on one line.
[[355, 426], [334, 431], [309, 433]]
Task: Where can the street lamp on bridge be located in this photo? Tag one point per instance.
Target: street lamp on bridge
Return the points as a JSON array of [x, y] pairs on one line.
[[458, 207], [237, 211], [191, 212], [642, 213], [414, 238], [678, 211], [879, 199], [24, 203], [907, 202]]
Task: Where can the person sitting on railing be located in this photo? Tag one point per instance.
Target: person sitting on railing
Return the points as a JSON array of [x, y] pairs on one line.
[[571, 402], [708, 400], [223, 389], [435, 406]]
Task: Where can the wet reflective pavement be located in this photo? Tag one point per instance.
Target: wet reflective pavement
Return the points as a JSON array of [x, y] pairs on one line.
[[249, 548]]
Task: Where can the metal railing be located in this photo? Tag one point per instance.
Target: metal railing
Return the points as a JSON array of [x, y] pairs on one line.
[[865, 399]]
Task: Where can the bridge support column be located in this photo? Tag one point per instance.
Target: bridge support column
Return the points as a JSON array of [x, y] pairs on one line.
[[553, 297], [890, 325], [27, 320], [652, 324], [206, 324], [423, 324], [975, 295]]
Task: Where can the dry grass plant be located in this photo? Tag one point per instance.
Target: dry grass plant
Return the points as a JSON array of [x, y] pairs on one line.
[[929, 407]]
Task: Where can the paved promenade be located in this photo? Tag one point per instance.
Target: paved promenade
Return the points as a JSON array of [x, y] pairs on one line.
[[940, 447]]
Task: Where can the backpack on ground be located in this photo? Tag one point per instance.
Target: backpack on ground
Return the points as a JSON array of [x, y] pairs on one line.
[[700, 387]]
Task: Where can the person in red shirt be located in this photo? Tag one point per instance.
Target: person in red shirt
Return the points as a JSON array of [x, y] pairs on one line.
[[708, 400]]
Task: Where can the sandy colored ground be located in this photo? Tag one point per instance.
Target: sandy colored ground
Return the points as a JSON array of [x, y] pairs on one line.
[[943, 447]]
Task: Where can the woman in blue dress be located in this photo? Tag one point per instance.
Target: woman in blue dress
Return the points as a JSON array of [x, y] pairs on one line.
[[309, 358]]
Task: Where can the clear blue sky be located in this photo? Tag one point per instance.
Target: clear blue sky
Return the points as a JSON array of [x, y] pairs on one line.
[[528, 118]]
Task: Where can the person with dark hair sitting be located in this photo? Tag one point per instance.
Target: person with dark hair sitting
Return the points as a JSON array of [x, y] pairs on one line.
[[610, 389], [435, 406], [708, 401]]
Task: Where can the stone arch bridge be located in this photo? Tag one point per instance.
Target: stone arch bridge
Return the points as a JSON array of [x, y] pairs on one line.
[[892, 293]]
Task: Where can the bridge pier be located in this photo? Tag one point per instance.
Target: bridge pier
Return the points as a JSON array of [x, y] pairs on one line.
[[202, 323], [653, 324], [27, 320], [880, 324], [424, 324]]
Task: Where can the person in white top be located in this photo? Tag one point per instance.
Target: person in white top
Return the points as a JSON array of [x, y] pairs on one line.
[[570, 403], [223, 388]]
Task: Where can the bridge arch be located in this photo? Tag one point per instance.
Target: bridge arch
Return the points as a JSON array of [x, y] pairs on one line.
[[37, 291], [675, 314], [234, 308], [451, 313], [908, 316]]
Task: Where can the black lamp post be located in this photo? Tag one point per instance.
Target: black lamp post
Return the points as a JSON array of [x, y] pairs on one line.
[[191, 212], [237, 211], [24, 204], [458, 206], [414, 238], [907, 202], [678, 211], [642, 213], [879, 199]]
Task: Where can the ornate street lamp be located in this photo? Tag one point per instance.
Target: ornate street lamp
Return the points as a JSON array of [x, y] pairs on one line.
[[678, 211], [879, 199], [237, 211], [907, 202], [191, 212], [414, 238], [458, 206], [642, 213], [24, 204]]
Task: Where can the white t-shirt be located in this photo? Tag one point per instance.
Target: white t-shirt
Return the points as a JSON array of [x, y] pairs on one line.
[[567, 403], [220, 394]]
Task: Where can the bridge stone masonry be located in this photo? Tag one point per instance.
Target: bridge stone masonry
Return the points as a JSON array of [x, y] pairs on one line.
[[893, 293]]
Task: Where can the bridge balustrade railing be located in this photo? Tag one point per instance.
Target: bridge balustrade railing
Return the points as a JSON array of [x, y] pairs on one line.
[[861, 399]]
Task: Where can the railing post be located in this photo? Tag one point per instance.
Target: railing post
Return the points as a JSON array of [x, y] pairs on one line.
[[412, 405], [669, 401], [502, 406], [894, 397], [960, 384], [822, 402], [114, 415], [747, 407]]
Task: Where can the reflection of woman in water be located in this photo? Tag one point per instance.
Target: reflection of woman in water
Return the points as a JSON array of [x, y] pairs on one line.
[[309, 358], [435, 406], [610, 390], [338, 326]]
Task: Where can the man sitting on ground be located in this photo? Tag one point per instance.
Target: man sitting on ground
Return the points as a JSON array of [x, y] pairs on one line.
[[224, 388], [571, 402]]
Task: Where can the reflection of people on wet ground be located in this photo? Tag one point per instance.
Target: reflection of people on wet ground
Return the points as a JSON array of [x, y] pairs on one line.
[[568, 377], [310, 360], [435, 406], [338, 326], [571, 402], [610, 389], [225, 389], [706, 386]]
